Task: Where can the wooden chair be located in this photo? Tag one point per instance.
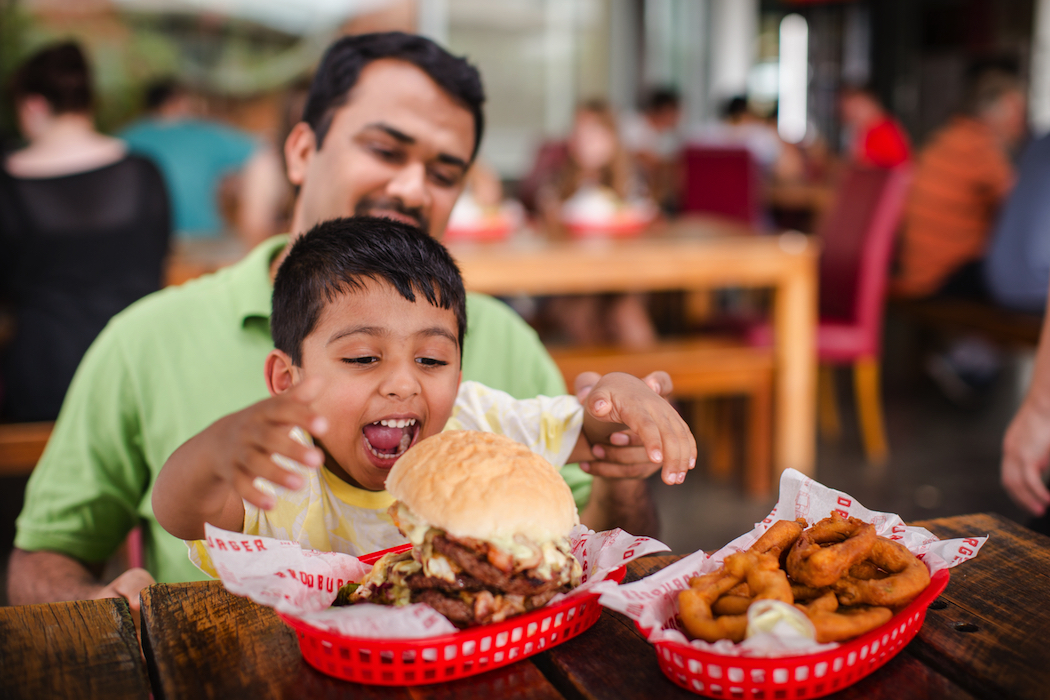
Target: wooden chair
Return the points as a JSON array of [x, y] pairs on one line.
[[699, 368], [857, 235], [21, 446]]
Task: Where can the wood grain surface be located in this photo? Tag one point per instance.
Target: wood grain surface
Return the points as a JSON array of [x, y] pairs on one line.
[[982, 640], [82, 650], [992, 633], [201, 641]]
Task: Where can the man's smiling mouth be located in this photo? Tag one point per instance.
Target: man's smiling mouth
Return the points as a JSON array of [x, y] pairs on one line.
[[390, 438]]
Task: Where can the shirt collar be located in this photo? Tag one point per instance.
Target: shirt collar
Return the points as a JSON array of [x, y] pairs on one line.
[[253, 289]]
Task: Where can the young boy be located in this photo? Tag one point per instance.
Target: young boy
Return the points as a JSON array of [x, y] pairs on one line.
[[368, 322]]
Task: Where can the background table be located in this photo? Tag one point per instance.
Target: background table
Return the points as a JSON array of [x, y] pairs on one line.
[[82, 650], [983, 638], [696, 253]]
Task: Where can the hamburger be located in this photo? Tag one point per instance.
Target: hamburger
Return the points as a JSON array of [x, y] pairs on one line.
[[489, 524]]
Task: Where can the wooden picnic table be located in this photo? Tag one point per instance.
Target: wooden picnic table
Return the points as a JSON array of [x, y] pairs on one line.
[[695, 253], [81, 650], [981, 639]]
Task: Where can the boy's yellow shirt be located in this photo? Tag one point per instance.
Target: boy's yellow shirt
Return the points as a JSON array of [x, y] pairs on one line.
[[327, 514]]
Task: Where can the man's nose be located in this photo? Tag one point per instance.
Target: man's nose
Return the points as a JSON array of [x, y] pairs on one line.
[[410, 186]]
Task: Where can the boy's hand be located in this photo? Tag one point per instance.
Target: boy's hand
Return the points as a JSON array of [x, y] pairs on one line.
[[621, 398], [244, 443], [623, 455]]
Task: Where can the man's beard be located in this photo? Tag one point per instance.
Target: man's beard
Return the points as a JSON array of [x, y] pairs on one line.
[[376, 206]]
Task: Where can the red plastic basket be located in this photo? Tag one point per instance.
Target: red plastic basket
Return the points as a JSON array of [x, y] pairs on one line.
[[451, 656], [796, 677]]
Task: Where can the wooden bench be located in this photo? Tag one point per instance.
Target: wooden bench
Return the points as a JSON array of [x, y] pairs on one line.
[[699, 368], [21, 445]]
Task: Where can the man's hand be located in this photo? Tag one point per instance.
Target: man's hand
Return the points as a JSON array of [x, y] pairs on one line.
[[664, 436], [128, 586], [1026, 459], [624, 456]]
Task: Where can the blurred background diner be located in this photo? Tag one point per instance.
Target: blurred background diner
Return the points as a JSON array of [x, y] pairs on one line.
[[902, 140]]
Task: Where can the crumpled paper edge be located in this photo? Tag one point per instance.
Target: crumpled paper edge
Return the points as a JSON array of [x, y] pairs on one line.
[[652, 601]]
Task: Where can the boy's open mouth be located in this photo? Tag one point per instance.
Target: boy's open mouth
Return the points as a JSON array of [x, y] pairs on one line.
[[388, 439]]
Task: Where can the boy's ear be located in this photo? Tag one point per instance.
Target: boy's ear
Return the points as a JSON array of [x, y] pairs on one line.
[[299, 147], [281, 372]]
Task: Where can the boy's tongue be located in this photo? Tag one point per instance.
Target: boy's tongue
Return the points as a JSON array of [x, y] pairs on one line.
[[382, 438]]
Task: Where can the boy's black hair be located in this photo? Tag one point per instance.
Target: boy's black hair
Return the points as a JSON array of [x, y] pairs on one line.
[[60, 74], [346, 58], [335, 257]]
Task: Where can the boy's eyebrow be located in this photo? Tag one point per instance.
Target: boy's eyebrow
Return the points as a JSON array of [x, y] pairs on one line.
[[402, 137], [432, 331]]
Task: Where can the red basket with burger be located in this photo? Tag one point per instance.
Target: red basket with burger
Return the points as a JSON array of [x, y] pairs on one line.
[[497, 568], [819, 595]]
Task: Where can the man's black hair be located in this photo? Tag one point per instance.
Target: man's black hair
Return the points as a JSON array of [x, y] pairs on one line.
[[346, 58], [160, 91], [734, 107], [336, 257], [60, 74]]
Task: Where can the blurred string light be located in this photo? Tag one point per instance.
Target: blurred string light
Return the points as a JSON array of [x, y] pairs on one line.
[[794, 78]]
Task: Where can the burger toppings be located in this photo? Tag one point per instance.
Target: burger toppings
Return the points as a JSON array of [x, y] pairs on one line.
[[488, 520], [468, 580]]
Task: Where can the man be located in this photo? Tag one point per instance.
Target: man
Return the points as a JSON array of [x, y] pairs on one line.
[[961, 178], [652, 137], [199, 157], [876, 138], [390, 128], [1017, 267]]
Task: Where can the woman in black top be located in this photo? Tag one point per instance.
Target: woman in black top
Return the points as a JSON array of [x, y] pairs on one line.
[[84, 230]]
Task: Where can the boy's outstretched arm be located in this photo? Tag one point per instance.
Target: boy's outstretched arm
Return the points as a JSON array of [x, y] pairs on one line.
[[621, 402], [207, 477]]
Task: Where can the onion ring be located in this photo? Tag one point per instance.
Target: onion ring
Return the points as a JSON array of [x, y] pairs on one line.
[[764, 577], [779, 537], [849, 541], [907, 578]]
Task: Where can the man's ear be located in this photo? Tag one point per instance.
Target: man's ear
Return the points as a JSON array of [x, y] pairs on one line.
[[281, 372], [299, 148]]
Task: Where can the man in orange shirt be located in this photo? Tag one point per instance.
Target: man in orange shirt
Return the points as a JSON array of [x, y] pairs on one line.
[[962, 176]]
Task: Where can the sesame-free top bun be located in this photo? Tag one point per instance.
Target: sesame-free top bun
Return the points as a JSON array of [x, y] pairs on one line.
[[483, 485]]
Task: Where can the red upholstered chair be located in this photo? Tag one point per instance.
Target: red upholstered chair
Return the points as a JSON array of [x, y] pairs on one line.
[[722, 180], [857, 234]]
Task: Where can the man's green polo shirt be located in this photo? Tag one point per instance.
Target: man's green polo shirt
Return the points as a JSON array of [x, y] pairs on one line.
[[172, 364]]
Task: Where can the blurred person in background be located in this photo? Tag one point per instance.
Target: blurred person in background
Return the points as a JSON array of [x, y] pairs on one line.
[[1017, 267], [739, 126], [961, 179], [654, 139], [598, 185], [873, 136], [84, 229], [197, 155], [390, 128]]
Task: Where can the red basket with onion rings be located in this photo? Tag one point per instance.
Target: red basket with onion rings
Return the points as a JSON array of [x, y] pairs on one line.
[[797, 677], [447, 657]]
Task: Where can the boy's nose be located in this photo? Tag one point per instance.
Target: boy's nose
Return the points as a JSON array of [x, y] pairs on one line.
[[409, 185], [400, 384]]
